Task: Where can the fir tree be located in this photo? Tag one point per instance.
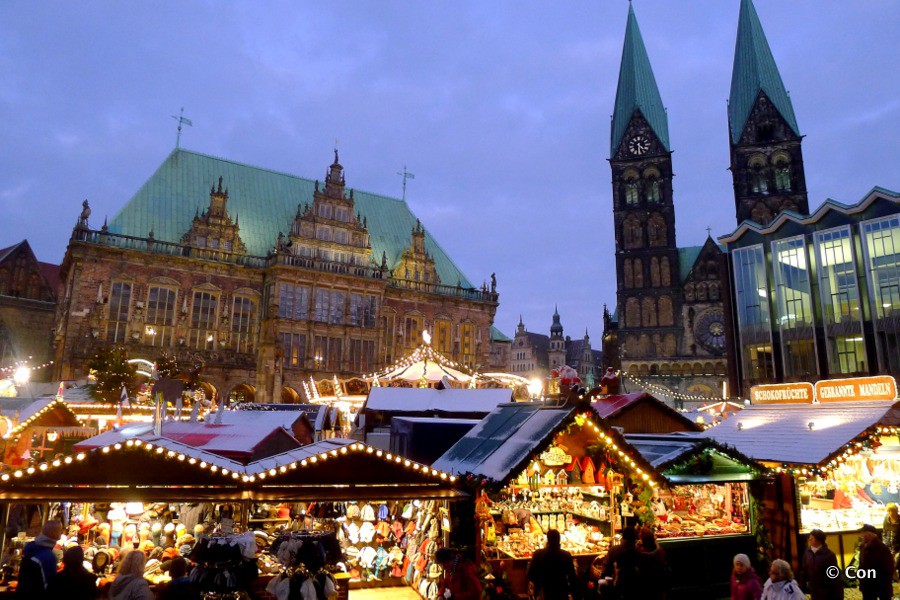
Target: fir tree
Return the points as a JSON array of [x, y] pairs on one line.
[[112, 370]]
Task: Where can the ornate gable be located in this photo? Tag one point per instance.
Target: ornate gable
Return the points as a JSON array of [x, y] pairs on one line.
[[329, 229], [416, 264], [214, 229]]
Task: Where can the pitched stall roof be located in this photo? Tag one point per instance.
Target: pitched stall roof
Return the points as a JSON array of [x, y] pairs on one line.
[[49, 413], [500, 446], [265, 202], [242, 436], [665, 452], [781, 433], [156, 468], [502, 442], [609, 407], [754, 72], [451, 400], [637, 89]]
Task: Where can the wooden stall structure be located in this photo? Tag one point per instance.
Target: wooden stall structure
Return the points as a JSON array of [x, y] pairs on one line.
[[836, 465]]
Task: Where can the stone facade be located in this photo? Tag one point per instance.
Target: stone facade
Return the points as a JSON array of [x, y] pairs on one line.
[[319, 304], [27, 308]]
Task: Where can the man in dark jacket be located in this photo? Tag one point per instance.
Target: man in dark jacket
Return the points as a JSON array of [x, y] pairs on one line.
[[874, 555], [623, 566], [74, 582], [815, 574], [39, 563], [552, 571]]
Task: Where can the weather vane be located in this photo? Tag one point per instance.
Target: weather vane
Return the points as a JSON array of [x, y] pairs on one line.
[[181, 121], [406, 175]]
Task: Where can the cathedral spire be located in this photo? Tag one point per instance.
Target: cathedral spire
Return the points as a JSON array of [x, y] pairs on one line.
[[637, 89], [754, 72]]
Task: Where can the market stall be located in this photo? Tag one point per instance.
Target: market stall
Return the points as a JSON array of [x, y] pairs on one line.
[[537, 468], [40, 429], [704, 514], [837, 466], [401, 510]]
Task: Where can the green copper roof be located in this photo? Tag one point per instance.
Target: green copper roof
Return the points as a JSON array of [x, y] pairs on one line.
[[265, 202], [686, 259], [499, 336], [754, 71], [637, 89]]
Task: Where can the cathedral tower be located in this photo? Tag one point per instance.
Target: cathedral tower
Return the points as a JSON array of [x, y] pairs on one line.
[[766, 159], [556, 350], [647, 268]]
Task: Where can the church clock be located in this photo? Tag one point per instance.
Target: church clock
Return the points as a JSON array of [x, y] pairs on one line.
[[639, 145]]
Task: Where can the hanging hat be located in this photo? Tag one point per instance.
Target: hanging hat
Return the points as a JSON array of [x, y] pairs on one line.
[[199, 529], [397, 530], [382, 512], [180, 530], [434, 570], [383, 529], [87, 524]]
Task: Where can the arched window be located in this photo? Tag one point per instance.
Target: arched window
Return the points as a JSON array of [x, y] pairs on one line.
[[713, 291], [665, 272], [758, 174], [631, 187], [782, 164], [654, 272], [632, 312], [648, 312], [638, 273], [627, 274], [666, 314], [633, 232], [656, 231], [701, 291]]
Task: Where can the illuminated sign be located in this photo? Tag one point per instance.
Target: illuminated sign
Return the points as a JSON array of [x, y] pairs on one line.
[[881, 387], [782, 393]]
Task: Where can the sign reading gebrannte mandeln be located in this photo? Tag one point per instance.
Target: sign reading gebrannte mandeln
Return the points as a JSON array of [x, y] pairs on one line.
[[782, 393], [879, 387]]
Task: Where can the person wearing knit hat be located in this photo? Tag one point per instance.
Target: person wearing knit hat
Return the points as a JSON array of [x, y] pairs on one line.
[[745, 583]]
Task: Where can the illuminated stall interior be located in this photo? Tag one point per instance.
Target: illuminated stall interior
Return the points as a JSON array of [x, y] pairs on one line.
[[842, 457], [367, 499]]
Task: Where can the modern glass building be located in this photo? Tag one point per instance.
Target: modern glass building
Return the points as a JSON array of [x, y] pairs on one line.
[[818, 296]]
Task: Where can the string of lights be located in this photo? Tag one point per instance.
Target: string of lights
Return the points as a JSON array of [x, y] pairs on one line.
[[20, 364], [661, 390]]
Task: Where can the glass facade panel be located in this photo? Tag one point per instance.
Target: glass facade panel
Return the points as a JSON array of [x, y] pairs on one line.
[[754, 321], [841, 309], [793, 302], [881, 245]]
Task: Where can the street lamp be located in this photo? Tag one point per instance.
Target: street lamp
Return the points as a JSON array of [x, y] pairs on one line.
[[22, 375]]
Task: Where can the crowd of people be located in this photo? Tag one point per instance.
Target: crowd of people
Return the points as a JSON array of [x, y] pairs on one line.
[[41, 578]]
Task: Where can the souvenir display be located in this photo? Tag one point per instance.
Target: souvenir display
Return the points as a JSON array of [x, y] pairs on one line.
[[702, 510], [853, 493]]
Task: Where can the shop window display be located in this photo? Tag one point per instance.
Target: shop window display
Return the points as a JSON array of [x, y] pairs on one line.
[[855, 491]]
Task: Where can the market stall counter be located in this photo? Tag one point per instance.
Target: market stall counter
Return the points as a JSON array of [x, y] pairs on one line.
[[705, 512], [838, 464], [537, 468], [388, 515]]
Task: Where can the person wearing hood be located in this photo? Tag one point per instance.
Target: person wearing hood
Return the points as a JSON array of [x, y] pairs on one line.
[[745, 583], [814, 573], [781, 584], [130, 583], [39, 562], [74, 582], [874, 555]]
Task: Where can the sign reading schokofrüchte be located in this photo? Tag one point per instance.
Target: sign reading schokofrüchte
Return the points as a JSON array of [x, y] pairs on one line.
[[782, 393], [881, 387]]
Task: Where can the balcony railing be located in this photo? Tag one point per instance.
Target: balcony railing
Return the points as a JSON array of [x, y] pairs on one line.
[[127, 242], [150, 245]]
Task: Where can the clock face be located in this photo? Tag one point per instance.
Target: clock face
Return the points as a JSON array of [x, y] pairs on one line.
[[709, 330], [638, 145]]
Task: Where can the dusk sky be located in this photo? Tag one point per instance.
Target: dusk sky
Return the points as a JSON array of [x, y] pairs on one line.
[[501, 110]]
